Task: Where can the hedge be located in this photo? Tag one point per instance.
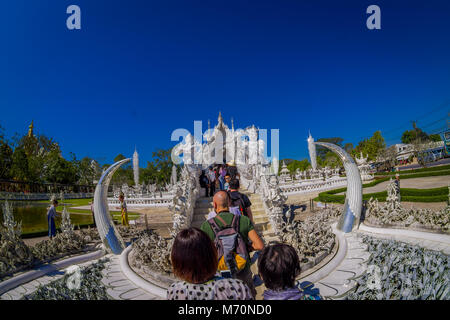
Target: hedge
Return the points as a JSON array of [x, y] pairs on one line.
[[381, 196], [407, 194], [436, 168]]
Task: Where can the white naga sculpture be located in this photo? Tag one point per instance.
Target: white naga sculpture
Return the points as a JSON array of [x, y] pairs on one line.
[[109, 235], [353, 200]]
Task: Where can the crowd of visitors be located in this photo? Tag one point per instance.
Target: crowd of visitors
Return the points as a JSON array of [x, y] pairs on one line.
[[213, 262], [218, 178]]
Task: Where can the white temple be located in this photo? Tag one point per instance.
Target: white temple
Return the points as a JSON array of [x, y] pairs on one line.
[[222, 144]]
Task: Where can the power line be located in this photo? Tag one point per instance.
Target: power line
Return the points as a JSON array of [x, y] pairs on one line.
[[420, 117], [391, 133]]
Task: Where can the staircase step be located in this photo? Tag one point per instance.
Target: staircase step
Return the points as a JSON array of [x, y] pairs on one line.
[[202, 210], [199, 218]]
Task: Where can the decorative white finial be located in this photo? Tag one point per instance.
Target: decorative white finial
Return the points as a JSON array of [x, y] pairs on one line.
[[136, 166]]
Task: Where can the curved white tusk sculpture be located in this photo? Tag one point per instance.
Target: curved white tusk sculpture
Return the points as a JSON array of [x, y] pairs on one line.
[[353, 199], [105, 225]]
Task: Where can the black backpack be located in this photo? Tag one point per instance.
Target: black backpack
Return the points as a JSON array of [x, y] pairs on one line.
[[238, 201]]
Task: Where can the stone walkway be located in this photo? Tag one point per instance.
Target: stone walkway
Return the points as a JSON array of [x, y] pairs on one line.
[[119, 287], [348, 264]]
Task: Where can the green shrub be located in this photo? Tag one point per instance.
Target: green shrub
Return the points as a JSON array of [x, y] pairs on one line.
[[443, 191], [407, 194], [437, 168], [441, 198]]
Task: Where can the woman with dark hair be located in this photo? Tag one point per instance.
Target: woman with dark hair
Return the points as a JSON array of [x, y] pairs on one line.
[[194, 260], [278, 267]]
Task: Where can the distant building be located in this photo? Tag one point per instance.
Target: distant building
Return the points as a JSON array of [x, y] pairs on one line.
[[405, 151]]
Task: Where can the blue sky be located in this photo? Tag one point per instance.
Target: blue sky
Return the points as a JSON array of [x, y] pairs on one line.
[[137, 70]]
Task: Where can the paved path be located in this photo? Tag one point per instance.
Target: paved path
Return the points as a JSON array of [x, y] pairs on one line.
[[431, 164], [337, 278], [119, 287]]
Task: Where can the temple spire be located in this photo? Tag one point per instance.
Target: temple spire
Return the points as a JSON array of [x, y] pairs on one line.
[[220, 119], [30, 129]]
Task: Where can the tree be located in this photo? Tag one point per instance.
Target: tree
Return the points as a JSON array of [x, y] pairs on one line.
[[124, 174], [159, 169], [322, 151], [409, 136], [348, 147], [163, 164], [388, 157], [6, 159], [370, 147], [298, 164], [19, 167], [87, 170], [435, 137], [59, 170]]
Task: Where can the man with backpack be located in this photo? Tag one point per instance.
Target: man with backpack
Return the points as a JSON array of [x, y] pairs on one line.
[[234, 236], [239, 201]]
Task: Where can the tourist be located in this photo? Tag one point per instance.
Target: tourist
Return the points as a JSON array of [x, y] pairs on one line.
[[278, 267], [51, 215], [123, 210], [222, 173], [246, 230], [92, 211], [204, 182], [232, 170], [212, 181], [226, 185], [194, 261], [239, 199]]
